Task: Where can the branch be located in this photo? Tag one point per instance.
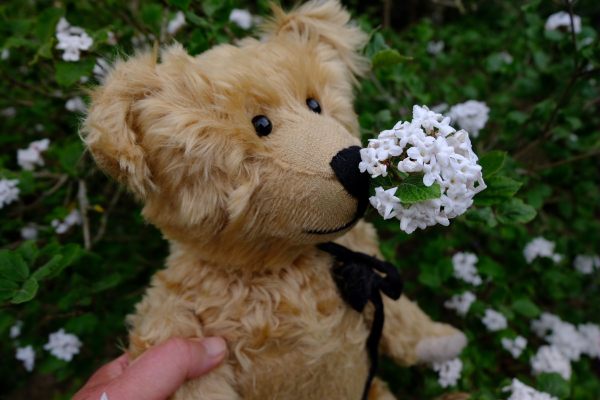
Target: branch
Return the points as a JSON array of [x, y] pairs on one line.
[[83, 208], [104, 221]]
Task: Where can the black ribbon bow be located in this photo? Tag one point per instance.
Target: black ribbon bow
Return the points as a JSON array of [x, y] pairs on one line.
[[357, 278]]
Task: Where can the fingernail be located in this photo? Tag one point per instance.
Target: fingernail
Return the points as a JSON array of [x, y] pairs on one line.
[[214, 346]]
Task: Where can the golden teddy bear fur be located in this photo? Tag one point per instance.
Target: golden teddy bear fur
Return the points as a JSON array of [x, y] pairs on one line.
[[240, 211]]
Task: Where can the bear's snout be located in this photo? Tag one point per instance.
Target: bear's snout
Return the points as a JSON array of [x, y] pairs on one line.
[[345, 166]]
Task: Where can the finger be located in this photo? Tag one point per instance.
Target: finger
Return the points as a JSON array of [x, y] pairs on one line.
[[104, 375], [160, 371]]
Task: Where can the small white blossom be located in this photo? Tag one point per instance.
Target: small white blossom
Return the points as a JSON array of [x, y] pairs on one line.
[[176, 23], [76, 104], [71, 39], [590, 334], [27, 356], [385, 202], [435, 48], [540, 247], [73, 218], [31, 156], [371, 164], [506, 57], [586, 264], [471, 116], [550, 359], [464, 268], [15, 330], [494, 321], [562, 21], [111, 38], [29, 232], [8, 112], [440, 108], [461, 303], [63, 345], [241, 18], [5, 54], [9, 192], [520, 391], [514, 346], [448, 372]]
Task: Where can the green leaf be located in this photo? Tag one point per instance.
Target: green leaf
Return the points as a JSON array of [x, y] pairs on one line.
[[499, 188], [483, 215], [151, 14], [12, 266], [68, 73], [515, 211], [526, 308], [7, 289], [387, 58], [46, 23], [413, 190], [69, 155], [29, 251], [488, 267], [51, 268], [182, 4], [492, 162], [26, 292], [210, 7], [554, 384]]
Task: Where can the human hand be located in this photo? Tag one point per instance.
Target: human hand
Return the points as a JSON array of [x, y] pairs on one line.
[[157, 373]]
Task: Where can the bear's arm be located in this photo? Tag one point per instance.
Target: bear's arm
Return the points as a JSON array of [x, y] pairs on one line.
[[163, 314], [409, 335]]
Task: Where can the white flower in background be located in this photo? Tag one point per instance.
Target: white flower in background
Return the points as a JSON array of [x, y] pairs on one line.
[[71, 39], [550, 359], [440, 108], [448, 372], [545, 324], [111, 38], [241, 18], [60, 227], [506, 57], [471, 116], [29, 232], [540, 247], [464, 268], [435, 48], [461, 303], [15, 330], [63, 345], [5, 54], [31, 156], [76, 104], [27, 356], [520, 391], [385, 202], [514, 346], [9, 191], [565, 337], [590, 333], [176, 23], [562, 21], [101, 69], [493, 320], [427, 145], [586, 264], [8, 112]]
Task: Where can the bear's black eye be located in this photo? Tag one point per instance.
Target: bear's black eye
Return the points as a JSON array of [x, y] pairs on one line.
[[262, 125], [313, 105]]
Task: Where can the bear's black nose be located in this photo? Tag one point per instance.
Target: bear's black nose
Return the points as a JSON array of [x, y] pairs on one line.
[[345, 166]]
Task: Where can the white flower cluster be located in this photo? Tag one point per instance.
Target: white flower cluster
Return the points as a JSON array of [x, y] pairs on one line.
[[566, 344], [9, 192], [520, 391], [60, 227], [540, 247], [464, 268], [514, 346], [427, 145], [448, 371], [471, 116], [63, 345], [241, 18], [562, 21], [176, 23], [31, 156], [29, 232], [461, 303], [586, 264], [435, 48], [493, 320], [76, 104], [71, 39], [27, 356], [15, 330]]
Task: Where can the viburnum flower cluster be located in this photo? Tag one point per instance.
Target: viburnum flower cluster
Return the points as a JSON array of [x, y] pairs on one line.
[[464, 268], [586, 264], [9, 192], [430, 147], [448, 371], [541, 247], [461, 303], [471, 116], [520, 391], [73, 218], [71, 39], [514, 346], [63, 345], [562, 21], [494, 320], [31, 157]]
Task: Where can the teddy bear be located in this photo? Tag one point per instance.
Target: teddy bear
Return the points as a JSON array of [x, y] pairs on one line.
[[246, 159]]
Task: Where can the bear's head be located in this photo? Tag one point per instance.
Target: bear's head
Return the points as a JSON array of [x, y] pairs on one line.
[[244, 152]]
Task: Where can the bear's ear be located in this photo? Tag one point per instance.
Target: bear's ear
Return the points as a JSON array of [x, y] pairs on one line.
[[325, 21], [110, 131]]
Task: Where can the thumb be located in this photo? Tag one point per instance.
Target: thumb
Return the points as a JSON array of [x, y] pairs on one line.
[[160, 371]]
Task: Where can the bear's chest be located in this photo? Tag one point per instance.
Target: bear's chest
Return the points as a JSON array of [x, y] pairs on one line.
[[290, 334]]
